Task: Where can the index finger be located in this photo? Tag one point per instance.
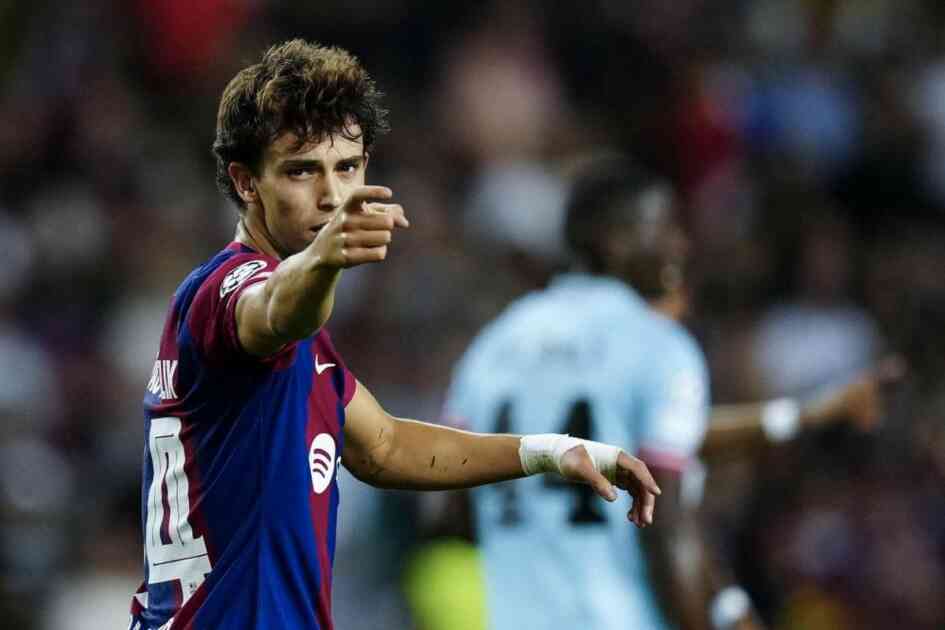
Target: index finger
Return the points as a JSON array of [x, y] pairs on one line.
[[368, 193], [639, 470], [649, 504], [395, 210]]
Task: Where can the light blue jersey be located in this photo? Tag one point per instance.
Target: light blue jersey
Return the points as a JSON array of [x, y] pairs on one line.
[[587, 357]]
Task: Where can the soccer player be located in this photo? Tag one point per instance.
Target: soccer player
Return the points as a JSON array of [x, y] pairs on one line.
[[250, 409], [590, 356]]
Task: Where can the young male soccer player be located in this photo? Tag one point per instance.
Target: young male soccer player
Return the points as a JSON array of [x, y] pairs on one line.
[[589, 356], [250, 409]]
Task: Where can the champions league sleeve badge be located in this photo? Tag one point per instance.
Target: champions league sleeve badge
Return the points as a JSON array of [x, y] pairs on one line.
[[239, 275]]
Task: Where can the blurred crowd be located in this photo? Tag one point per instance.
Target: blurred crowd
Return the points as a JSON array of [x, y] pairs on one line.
[[806, 141]]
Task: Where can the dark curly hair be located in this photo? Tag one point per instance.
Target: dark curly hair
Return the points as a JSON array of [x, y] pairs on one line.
[[299, 87]]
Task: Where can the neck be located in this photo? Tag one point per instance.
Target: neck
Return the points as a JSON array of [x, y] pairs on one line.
[[254, 233], [673, 304]]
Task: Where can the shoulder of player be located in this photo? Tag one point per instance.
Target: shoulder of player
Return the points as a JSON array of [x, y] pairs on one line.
[[208, 284], [229, 273], [490, 339], [674, 341]]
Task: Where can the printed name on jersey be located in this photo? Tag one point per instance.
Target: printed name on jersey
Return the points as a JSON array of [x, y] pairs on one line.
[[321, 461], [239, 275], [162, 379]]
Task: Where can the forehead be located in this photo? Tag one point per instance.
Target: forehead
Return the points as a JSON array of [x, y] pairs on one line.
[[331, 147], [653, 207]]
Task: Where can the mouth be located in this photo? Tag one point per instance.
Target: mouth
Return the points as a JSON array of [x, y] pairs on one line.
[[316, 229]]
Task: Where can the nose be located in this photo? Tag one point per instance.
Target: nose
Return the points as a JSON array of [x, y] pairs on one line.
[[329, 197]]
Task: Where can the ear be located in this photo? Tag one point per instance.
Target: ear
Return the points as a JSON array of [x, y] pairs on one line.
[[244, 181], [367, 158]]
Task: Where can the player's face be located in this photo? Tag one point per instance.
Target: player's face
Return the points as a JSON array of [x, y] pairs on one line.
[[651, 248], [301, 187]]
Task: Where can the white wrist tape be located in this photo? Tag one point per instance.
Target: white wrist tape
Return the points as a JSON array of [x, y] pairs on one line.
[[781, 419], [542, 453], [728, 607]]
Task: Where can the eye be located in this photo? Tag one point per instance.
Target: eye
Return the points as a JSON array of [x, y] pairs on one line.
[[348, 169], [299, 172]]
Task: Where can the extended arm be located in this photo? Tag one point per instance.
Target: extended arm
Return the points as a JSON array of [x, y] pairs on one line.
[[390, 452], [749, 426], [296, 300]]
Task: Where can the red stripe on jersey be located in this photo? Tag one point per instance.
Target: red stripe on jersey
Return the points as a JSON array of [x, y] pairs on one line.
[[137, 601], [166, 521], [324, 348], [323, 406], [664, 460], [185, 618], [319, 507]]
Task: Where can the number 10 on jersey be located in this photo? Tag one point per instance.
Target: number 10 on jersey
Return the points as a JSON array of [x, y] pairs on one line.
[[173, 552]]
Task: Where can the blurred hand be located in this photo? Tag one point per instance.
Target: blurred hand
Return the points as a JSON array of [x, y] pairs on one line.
[[862, 402], [361, 230], [632, 476]]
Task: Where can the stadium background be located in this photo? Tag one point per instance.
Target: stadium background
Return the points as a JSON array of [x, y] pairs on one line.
[[807, 140]]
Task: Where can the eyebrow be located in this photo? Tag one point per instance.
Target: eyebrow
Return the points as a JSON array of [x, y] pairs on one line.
[[308, 163]]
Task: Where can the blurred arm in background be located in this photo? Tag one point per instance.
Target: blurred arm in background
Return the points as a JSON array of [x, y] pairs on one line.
[[747, 427]]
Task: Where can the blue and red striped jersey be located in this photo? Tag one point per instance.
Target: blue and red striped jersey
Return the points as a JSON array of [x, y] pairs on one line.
[[239, 492]]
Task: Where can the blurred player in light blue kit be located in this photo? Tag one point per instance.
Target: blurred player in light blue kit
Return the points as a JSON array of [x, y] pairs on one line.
[[588, 356]]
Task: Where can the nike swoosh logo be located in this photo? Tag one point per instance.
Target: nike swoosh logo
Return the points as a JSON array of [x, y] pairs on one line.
[[319, 368]]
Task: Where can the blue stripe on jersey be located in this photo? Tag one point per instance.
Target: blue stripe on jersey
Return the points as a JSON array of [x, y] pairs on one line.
[[257, 494]]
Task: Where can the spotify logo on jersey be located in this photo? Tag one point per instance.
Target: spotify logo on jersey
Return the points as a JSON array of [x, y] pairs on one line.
[[321, 461]]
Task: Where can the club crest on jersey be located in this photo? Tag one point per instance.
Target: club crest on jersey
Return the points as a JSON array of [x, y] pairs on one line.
[[239, 275], [321, 461]]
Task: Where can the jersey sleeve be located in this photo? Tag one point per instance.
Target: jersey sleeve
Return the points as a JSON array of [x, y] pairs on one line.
[[211, 318], [673, 409]]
